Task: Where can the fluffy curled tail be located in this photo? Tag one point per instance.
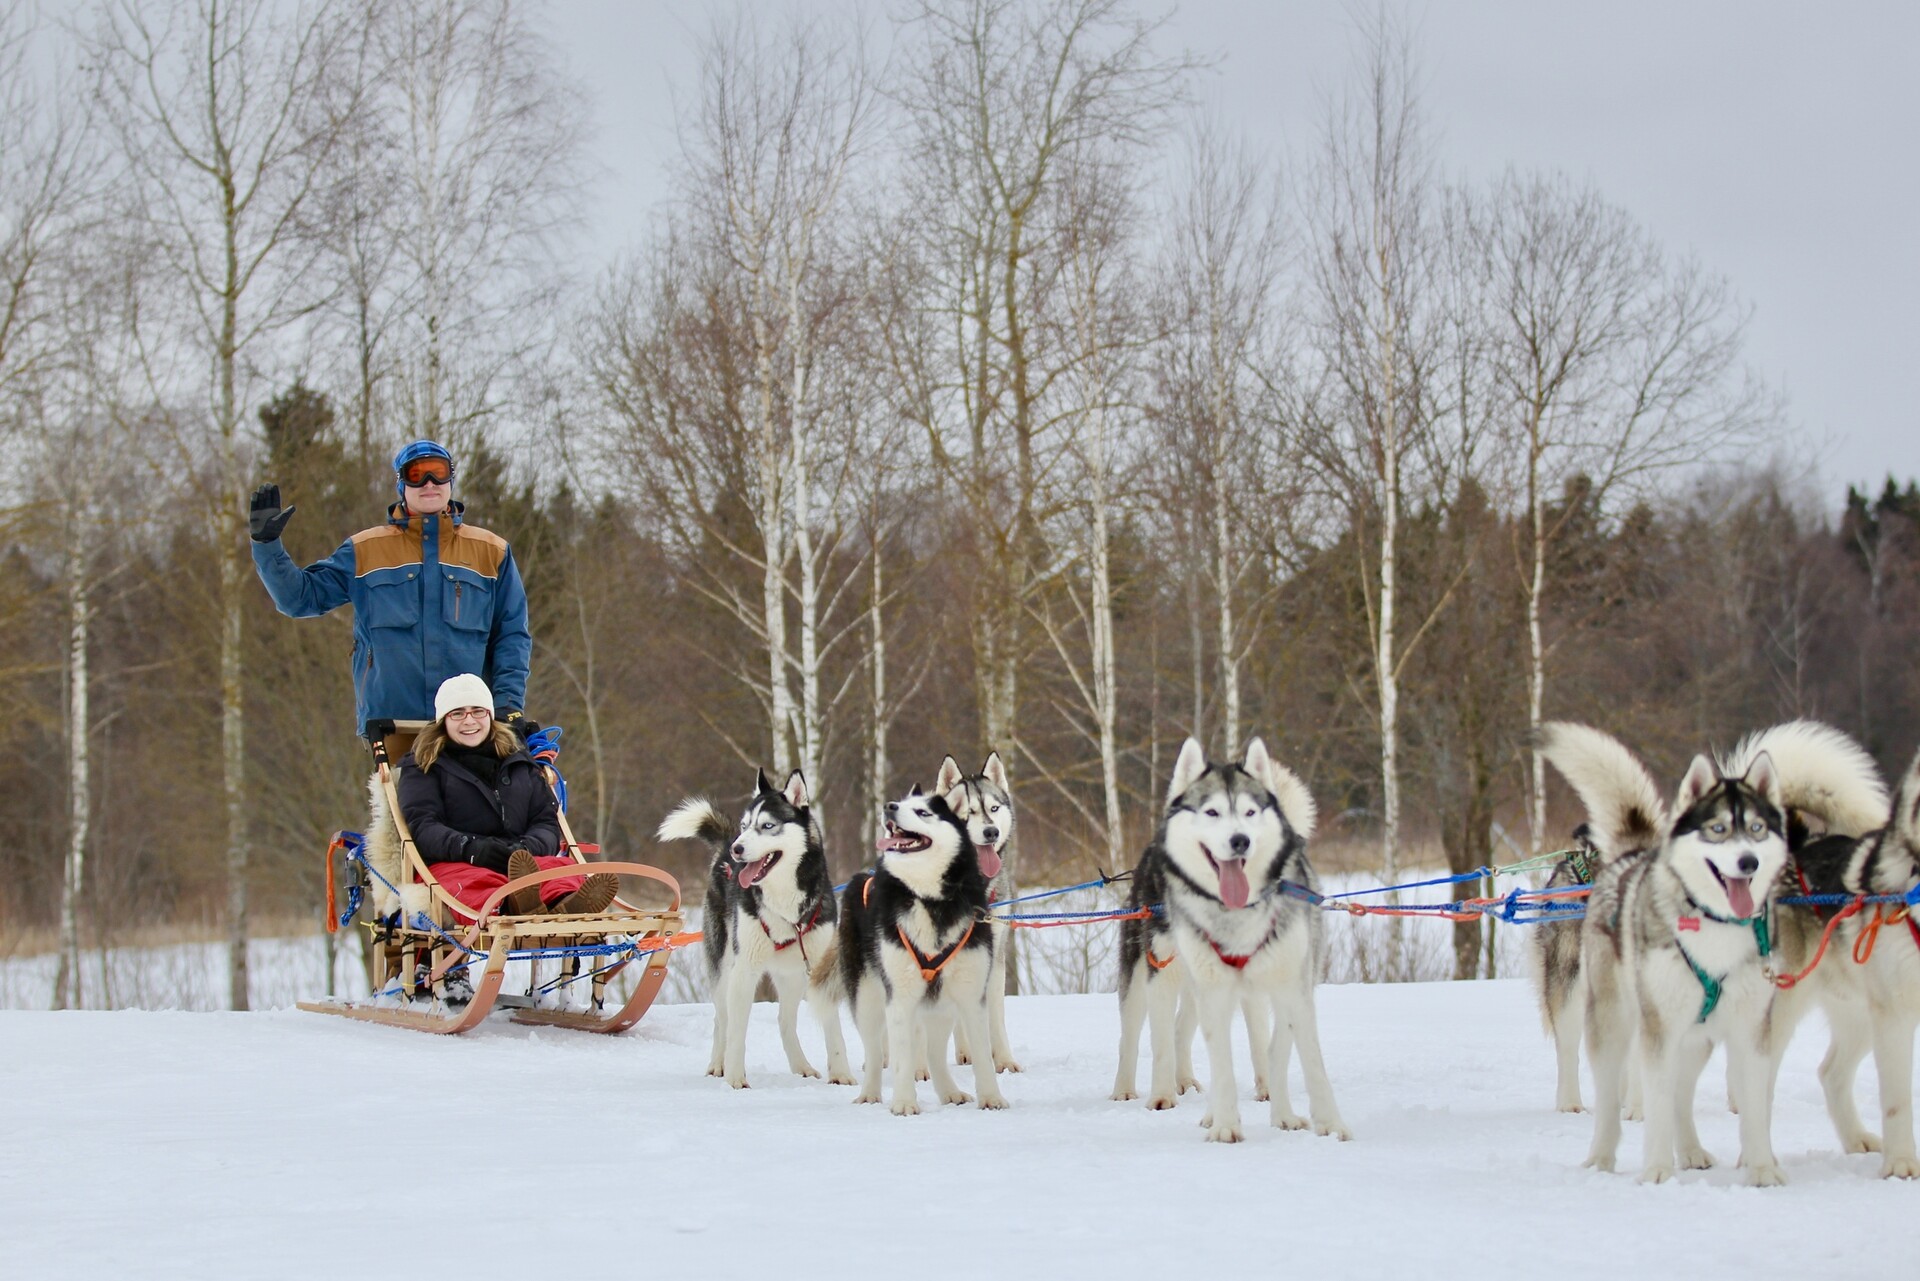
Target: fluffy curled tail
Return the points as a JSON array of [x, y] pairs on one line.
[[1822, 773], [1624, 809], [696, 820]]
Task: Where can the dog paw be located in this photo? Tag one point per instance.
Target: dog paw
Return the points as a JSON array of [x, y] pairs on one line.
[[1766, 1175], [962, 1059], [923, 1075], [1863, 1141], [1008, 1064], [1659, 1172], [1696, 1159], [842, 1078], [1900, 1167], [1124, 1096], [865, 1096], [906, 1107], [992, 1102], [1576, 1106], [1225, 1133], [738, 1083], [715, 1069], [1187, 1083], [1600, 1162], [1261, 1094], [1334, 1129], [1160, 1102], [807, 1072], [956, 1096], [1288, 1121], [1633, 1112]]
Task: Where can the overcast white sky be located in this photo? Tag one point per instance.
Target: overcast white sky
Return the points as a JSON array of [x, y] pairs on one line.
[[1777, 141]]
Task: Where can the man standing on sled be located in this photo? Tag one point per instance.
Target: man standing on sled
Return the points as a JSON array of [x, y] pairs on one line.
[[432, 596]]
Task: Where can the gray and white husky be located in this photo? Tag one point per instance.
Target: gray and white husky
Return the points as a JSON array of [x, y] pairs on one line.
[[769, 910], [1229, 871], [1675, 937], [1833, 794], [1881, 862], [984, 803], [914, 952]]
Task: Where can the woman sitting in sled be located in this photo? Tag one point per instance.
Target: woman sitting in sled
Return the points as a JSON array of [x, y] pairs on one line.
[[481, 812]]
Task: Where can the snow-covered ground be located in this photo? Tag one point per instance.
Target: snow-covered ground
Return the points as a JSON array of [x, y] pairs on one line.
[[290, 1145]]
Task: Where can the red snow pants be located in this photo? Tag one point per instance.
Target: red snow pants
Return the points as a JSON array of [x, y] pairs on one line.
[[471, 884]]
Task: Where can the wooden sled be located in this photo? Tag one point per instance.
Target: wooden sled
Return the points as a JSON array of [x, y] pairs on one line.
[[623, 935]]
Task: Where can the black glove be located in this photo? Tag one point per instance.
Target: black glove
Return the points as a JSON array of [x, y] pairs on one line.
[[265, 515], [490, 852], [520, 723]]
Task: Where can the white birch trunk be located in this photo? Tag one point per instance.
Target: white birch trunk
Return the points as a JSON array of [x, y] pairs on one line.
[[67, 986], [811, 727], [877, 665], [1536, 649], [1103, 656], [773, 587], [1223, 576]]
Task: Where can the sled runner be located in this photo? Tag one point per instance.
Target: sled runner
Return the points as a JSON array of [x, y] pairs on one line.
[[442, 967]]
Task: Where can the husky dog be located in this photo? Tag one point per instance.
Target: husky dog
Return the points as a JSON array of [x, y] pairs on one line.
[[1228, 868], [1555, 948], [1833, 795], [985, 804], [1676, 934], [913, 952], [769, 910]]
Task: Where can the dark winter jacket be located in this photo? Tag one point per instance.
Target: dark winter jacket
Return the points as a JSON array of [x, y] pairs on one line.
[[447, 806], [432, 597]]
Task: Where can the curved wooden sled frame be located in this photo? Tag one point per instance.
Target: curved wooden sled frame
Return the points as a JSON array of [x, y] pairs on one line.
[[495, 934]]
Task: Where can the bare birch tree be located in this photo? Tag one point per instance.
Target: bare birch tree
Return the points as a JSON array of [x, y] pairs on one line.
[[998, 94], [1613, 365], [227, 117], [1371, 423]]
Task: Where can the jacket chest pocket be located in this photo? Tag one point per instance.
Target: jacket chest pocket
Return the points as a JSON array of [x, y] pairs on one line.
[[391, 602], [466, 600]]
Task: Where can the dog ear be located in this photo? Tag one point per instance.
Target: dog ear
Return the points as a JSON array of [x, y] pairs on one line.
[[1258, 763], [1906, 807], [949, 775], [958, 800], [1701, 778], [996, 772], [761, 787], [1764, 778], [796, 790], [1191, 765]]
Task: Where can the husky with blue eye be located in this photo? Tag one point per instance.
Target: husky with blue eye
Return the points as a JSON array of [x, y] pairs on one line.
[[1228, 870], [1676, 940], [769, 910], [984, 802]]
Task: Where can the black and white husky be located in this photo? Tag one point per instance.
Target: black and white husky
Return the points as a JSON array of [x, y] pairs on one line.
[[984, 803], [1228, 868], [769, 910], [1675, 938], [915, 952]]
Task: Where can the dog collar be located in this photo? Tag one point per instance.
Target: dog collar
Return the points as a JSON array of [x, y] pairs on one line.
[[930, 966], [799, 934], [1240, 962]]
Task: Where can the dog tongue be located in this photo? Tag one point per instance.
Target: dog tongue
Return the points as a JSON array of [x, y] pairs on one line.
[[754, 871], [989, 861], [1233, 882], [1739, 896]]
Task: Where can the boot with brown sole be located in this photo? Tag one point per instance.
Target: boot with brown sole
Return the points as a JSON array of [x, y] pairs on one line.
[[594, 896], [526, 900]]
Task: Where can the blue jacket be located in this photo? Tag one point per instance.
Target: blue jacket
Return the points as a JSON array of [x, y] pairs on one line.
[[432, 597]]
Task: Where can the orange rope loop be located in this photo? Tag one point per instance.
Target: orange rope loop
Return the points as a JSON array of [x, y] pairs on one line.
[[1784, 981]]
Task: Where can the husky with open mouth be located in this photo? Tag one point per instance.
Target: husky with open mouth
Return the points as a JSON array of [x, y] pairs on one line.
[[1676, 936], [769, 910], [984, 802], [1229, 870], [915, 952]]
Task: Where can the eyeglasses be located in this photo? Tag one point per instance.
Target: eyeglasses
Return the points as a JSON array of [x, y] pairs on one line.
[[469, 714], [427, 471]]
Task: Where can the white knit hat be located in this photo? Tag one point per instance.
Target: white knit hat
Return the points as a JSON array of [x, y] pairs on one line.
[[464, 690]]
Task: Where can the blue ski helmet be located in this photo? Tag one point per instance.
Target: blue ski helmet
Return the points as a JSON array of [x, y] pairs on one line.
[[417, 450]]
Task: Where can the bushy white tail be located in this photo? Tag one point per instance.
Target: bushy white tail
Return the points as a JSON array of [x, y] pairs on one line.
[[386, 856], [696, 820], [1624, 809], [1822, 772]]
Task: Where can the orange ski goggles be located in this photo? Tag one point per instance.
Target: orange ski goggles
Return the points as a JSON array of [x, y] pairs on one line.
[[427, 471]]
